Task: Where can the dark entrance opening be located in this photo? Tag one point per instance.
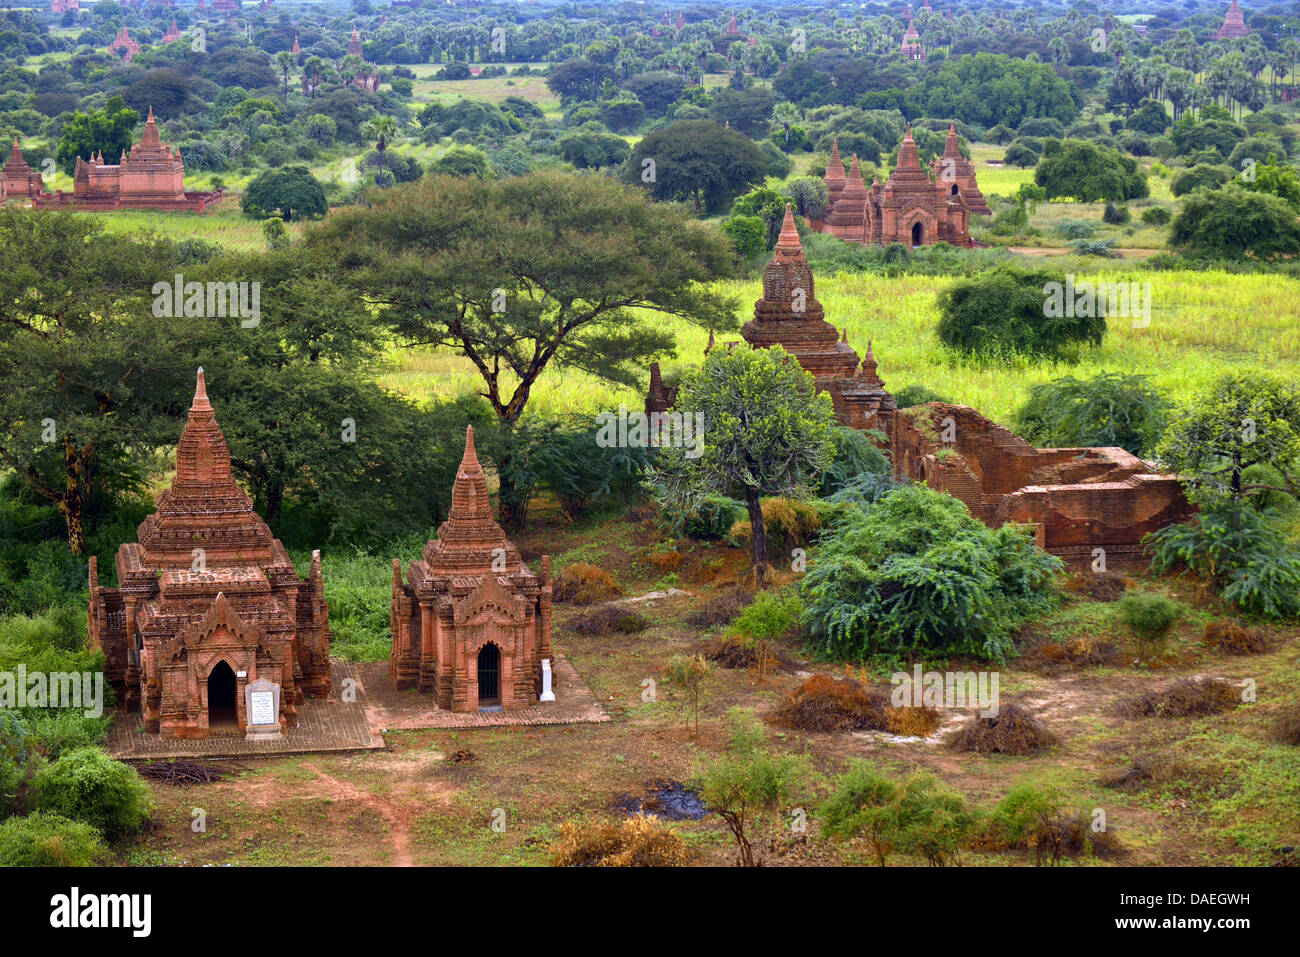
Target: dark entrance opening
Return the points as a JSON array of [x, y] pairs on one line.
[[489, 675], [918, 233], [954, 189], [222, 716]]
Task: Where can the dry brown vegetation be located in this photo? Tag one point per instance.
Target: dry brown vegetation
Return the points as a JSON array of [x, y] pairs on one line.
[[585, 584], [721, 607], [823, 703], [1013, 730], [1185, 698], [609, 620], [1234, 638], [639, 841]]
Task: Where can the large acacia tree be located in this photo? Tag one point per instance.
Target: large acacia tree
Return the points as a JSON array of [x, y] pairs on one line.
[[696, 160], [528, 272]]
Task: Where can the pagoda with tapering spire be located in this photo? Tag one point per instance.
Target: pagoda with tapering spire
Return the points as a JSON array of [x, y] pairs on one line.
[[18, 180], [471, 622], [956, 172], [1234, 25], [911, 48], [208, 601]]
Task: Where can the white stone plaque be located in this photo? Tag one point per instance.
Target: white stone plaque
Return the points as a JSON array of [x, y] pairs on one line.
[[262, 708], [547, 693]]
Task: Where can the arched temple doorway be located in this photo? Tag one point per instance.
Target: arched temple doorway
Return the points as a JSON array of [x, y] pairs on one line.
[[918, 234], [222, 714], [489, 676]]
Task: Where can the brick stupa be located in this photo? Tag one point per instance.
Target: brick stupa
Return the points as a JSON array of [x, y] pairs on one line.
[[957, 174], [911, 48], [18, 180], [1234, 25], [208, 601], [471, 623]]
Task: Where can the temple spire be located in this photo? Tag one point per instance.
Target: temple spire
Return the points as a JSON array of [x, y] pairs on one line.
[[787, 243], [201, 394]]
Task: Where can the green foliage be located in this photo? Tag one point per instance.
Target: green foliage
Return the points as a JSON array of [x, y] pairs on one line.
[[290, 192], [1115, 215], [863, 805], [1111, 409], [590, 147], [1008, 310], [767, 204], [87, 785], [108, 131], [915, 574], [930, 820], [768, 617], [747, 784], [1076, 228], [1150, 616], [1234, 223], [19, 761], [1243, 553], [1021, 813], [1156, 216], [1082, 170], [917, 394], [809, 195], [1105, 248], [463, 161], [1273, 178], [695, 160], [985, 89], [748, 235], [856, 453], [49, 840], [1204, 176]]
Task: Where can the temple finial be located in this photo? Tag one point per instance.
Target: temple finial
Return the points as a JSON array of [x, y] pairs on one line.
[[201, 393]]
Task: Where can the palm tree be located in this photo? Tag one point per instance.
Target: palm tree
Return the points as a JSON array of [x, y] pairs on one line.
[[312, 68], [786, 113], [284, 59], [381, 129]]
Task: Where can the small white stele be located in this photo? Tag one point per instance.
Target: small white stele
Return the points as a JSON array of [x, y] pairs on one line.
[[263, 708], [547, 693]]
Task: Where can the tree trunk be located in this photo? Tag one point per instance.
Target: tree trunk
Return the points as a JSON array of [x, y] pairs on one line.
[[70, 509], [76, 491], [759, 533]]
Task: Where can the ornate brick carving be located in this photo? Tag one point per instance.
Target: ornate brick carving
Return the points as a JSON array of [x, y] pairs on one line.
[[205, 583], [470, 590]]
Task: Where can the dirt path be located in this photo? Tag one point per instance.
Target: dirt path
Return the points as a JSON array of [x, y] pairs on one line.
[[398, 818]]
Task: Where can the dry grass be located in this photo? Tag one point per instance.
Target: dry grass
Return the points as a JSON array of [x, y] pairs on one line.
[[1287, 728], [1103, 586], [1013, 730], [585, 584], [609, 620], [639, 841], [1051, 658], [1146, 770], [721, 607], [733, 652], [1234, 638], [1185, 698], [823, 703]]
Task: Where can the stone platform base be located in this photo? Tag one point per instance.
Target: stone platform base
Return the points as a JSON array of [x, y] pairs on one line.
[[331, 724]]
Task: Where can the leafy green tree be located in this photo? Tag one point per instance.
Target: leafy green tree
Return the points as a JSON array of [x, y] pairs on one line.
[[747, 784], [462, 161], [528, 271], [863, 805], [1083, 170], [1201, 176], [284, 60], [767, 431], [1111, 409], [290, 192], [74, 413], [767, 204], [276, 233], [696, 160], [809, 195], [87, 785], [691, 674], [578, 78], [749, 111], [108, 131], [1234, 223], [1281, 181]]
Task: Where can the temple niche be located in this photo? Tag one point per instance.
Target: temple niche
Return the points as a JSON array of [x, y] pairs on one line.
[[208, 602], [471, 623], [151, 176], [910, 207]]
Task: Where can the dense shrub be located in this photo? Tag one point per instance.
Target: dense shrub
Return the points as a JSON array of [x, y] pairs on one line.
[[855, 453], [1031, 819], [713, 518], [1156, 216], [788, 524], [610, 620], [1235, 223], [911, 395], [87, 785], [1110, 409], [1234, 638], [720, 608], [1006, 310], [930, 820], [1115, 215], [49, 840], [1205, 176], [1089, 172], [18, 762], [1150, 617], [1244, 554], [915, 573], [639, 841]]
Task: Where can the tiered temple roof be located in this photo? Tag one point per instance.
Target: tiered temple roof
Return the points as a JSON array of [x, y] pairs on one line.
[[1234, 24]]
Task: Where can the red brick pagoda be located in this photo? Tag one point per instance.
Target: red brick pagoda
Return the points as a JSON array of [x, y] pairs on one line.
[[471, 624], [208, 602], [173, 33], [911, 48], [151, 177], [1234, 25], [62, 6], [366, 78], [910, 208], [123, 44], [955, 172], [18, 180]]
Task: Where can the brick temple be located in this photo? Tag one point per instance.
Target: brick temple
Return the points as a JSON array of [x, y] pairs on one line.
[[1234, 25], [1076, 499], [123, 44], [367, 78], [151, 176], [208, 602], [911, 48], [910, 207], [471, 623], [18, 180]]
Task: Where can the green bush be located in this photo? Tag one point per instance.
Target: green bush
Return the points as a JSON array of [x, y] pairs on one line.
[[1076, 228], [1150, 616], [1007, 310], [87, 785], [49, 840], [915, 574], [862, 806], [1156, 216], [747, 234], [1243, 553], [1110, 409], [855, 453], [19, 761], [713, 518], [911, 395], [1205, 176], [768, 617], [930, 820], [1105, 248], [1020, 814]]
